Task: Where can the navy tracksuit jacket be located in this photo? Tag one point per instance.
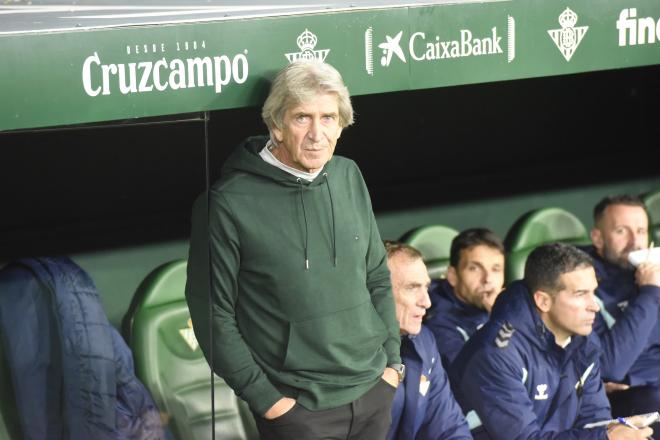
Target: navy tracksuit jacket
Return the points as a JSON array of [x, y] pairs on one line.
[[627, 325], [424, 407], [451, 320], [522, 384]]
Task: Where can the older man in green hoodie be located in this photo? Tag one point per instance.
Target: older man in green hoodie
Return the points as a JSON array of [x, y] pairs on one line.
[[300, 308]]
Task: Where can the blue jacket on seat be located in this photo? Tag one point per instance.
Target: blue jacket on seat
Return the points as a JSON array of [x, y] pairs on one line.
[[451, 320], [522, 384], [424, 407], [627, 325], [71, 371]]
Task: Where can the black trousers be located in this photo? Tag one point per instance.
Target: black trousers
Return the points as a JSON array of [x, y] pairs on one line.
[[637, 400], [367, 418]]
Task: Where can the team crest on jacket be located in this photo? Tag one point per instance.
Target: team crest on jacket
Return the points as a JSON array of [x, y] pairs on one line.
[[188, 335], [504, 335], [424, 384]]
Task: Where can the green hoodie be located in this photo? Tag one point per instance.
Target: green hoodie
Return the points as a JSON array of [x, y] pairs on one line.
[[302, 302]]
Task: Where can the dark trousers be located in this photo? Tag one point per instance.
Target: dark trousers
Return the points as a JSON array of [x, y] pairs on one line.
[[637, 400], [367, 418]]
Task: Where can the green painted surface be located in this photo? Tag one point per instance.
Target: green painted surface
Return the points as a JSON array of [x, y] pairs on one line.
[[89, 76]]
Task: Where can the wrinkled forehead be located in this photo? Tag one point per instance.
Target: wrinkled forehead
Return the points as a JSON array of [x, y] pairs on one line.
[[408, 270]]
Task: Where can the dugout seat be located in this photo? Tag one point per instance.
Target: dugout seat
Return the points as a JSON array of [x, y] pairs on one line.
[[537, 227], [170, 363], [652, 202], [434, 242]]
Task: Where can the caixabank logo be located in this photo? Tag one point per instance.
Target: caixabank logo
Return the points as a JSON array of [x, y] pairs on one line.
[[383, 49]]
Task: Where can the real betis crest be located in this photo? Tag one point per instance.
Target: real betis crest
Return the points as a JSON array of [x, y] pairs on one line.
[[188, 335], [568, 38]]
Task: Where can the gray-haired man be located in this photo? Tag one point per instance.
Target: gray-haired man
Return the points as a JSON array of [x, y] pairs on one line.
[[303, 317]]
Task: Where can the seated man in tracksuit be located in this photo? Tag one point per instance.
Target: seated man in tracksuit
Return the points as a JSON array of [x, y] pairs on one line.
[[628, 324], [462, 301], [423, 407], [533, 370]]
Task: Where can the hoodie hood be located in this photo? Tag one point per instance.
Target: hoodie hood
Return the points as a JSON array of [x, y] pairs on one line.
[[615, 283], [246, 159], [515, 305], [444, 299]]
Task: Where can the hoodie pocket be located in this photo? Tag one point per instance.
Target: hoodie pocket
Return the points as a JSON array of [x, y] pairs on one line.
[[347, 341]]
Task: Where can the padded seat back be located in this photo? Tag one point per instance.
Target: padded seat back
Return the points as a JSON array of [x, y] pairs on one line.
[[170, 363], [537, 227], [652, 202], [434, 243]]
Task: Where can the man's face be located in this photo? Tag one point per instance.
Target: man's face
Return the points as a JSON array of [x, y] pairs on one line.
[[621, 229], [479, 277], [572, 310], [309, 134], [410, 284]]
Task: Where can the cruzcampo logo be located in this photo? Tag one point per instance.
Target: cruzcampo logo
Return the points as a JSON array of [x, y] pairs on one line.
[[568, 38], [307, 43], [161, 67]]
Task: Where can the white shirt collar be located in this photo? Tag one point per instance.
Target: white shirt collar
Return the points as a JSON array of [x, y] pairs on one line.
[[268, 157]]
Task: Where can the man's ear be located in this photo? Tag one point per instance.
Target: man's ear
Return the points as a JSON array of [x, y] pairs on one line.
[[597, 239], [277, 134], [452, 277], [543, 301]]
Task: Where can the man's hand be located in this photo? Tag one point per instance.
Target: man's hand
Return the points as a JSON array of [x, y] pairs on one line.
[[489, 298], [280, 408], [648, 273], [611, 387], [623, 432], [391, 376]]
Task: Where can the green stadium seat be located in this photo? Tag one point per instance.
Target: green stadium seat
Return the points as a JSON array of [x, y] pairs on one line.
[[537, 227], [434, 242], [652, 202], [171, 365]]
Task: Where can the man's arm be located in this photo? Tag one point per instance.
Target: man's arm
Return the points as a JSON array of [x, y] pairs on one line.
[[380, 286], [231, 358], [594, 405], [444, 418], [492, 385], [624, 340], [450, 339]]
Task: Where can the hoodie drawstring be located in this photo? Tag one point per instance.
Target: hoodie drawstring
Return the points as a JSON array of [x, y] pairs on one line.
[[332, 210], [302, 202]]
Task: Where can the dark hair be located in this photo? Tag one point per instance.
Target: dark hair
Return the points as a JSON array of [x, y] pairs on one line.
[[470, 238], [546, 264], [621, 199], [395, 247]]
